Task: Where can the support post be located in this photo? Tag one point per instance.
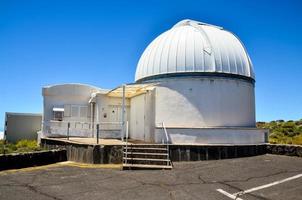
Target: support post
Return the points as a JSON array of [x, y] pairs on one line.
[[92, 118], [123, 113], [97, 133], [68, 127]]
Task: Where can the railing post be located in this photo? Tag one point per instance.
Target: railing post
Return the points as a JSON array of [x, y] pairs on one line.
[[127, 127], [97, 133], [123, 113], [68, 127]]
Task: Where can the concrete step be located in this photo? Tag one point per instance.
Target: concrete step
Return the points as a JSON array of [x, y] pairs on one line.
[[147, 161], [148, 145], [143, 153], [146, 149], [151, 159], [140, 166], [146, 155]]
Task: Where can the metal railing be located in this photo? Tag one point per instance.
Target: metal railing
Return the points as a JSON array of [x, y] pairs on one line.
[[167, 141], [127, 132], [81, 129]]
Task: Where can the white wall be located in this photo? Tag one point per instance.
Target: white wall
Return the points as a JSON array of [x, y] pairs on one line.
[[22, 126], [65, 94], [205, 102], [214, 135], [109, 109], [109, 114]]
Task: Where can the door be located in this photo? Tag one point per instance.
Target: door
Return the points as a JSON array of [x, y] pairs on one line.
[[137, 115]]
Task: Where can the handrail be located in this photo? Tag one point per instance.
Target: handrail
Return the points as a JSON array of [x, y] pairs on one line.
[[81, 123], [127, 127], [81, 128], [167, 141], [165, 131]]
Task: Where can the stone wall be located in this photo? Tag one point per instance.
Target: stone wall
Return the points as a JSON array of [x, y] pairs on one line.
[[288, 150], [21, 160]]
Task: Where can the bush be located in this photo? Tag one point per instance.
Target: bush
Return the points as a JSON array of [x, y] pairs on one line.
[[289, 124], [27, 145], [282, 132], [297, 139], [299, 122], [20, 146]]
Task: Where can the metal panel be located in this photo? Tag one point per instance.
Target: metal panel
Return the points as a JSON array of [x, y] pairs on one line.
[[192, 46]]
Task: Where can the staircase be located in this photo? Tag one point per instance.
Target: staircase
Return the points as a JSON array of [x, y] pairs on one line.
[[146, 156]]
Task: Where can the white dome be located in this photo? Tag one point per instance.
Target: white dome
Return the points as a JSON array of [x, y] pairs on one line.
[[191, 46]]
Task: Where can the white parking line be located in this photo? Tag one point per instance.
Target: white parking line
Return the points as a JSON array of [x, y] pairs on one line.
[[237, 194], [228, 194]]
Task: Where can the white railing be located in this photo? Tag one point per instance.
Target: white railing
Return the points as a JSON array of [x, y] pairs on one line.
[[127, 132], [80, 129], [167, 140]]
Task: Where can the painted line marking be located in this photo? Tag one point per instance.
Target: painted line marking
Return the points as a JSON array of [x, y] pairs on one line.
[[232, 196], [235, 195]]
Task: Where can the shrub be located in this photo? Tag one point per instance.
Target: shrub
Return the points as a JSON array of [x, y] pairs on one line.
[[281, 132], [20, 146], [27, 145], [289, 124], [297, 139]]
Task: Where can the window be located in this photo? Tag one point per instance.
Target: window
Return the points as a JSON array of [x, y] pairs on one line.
[[78, 111], [58, 114]]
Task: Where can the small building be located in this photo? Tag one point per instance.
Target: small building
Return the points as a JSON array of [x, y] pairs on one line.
[[20, 126], [195, 81]]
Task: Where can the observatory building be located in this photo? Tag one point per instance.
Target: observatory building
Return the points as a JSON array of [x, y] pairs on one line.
[[195, 81]]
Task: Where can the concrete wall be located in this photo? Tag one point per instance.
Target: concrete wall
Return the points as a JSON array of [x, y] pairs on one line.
[[22, 126], [213, 135], [205, 102]]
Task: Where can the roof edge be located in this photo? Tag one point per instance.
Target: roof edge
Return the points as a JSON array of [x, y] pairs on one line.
[[196, 75]]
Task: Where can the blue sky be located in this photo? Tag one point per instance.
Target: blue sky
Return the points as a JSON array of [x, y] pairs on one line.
[[99, 43]]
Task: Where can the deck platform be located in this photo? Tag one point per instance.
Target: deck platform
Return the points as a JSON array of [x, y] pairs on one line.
[[110, 151]]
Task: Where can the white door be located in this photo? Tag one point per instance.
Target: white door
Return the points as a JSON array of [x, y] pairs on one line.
[[137, 116]]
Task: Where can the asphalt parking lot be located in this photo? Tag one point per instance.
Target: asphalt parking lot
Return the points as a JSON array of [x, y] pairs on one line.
[[261, 177]]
